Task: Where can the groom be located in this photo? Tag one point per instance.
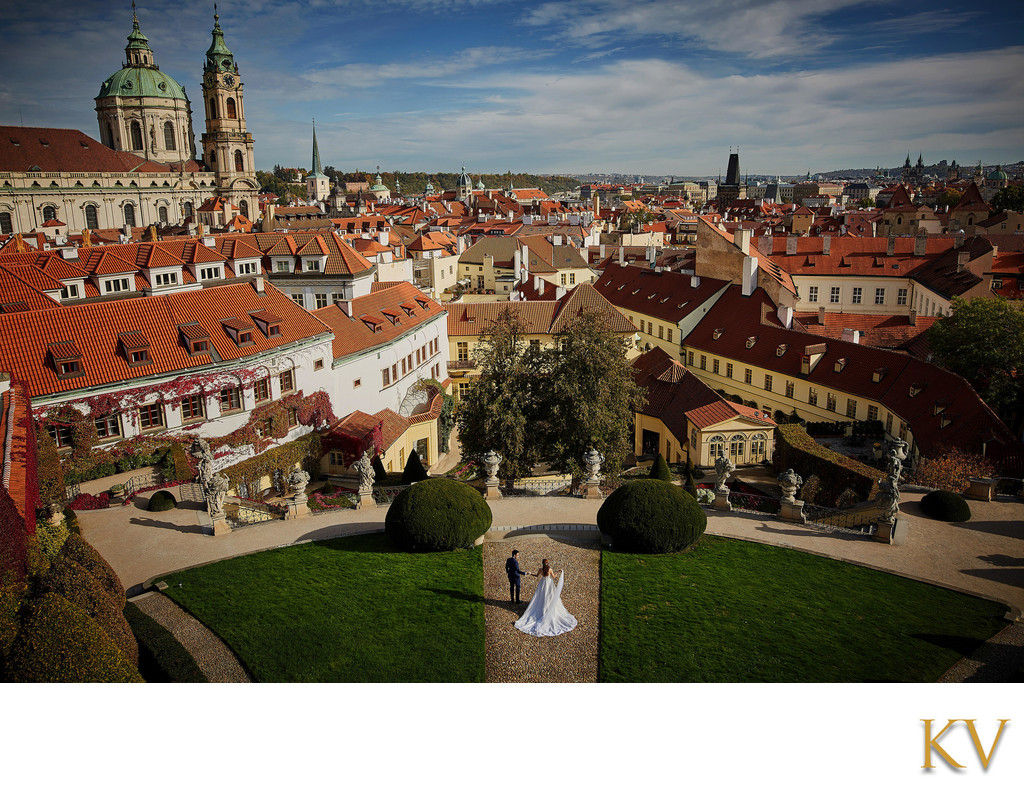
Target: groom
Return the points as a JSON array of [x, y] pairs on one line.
[[514, 573]]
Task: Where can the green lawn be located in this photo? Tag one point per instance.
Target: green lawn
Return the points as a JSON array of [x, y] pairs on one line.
[[345, 610], [734, 611]]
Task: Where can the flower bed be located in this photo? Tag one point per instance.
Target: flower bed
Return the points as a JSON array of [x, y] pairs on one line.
[[88, 502], [467, 471], [330, 502]]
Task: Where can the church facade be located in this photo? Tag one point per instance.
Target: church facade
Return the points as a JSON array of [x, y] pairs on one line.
[[144, 169]]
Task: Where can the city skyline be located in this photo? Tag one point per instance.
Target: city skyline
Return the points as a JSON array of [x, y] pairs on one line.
[[656, 88]]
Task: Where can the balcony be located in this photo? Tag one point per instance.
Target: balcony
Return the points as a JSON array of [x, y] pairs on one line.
[[461, 364]]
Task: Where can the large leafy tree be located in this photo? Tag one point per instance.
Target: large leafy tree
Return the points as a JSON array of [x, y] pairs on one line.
[[983, 341], [1009, 198], [499, 411], [588, 396]]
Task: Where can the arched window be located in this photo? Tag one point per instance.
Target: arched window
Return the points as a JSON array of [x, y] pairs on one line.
[[136, 136], [758, 447], [110, 136], [161, 213], [91, 219], [243, 206], [169, 136], [187, 208], [129, 215], [213, 160], [737, 447], [6, 226], [213, 107], [49, 212], [717, 446], [232, 112], [238, 161], [899, 220]]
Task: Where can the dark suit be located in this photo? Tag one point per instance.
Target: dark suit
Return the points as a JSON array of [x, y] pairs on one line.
[[513, 572]]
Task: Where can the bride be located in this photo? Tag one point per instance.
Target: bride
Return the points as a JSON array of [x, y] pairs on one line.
[[546, 616]]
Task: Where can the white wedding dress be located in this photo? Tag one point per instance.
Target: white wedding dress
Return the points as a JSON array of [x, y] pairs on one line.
[[546, 616]]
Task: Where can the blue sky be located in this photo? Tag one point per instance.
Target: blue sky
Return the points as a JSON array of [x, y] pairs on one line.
[[649, 86]]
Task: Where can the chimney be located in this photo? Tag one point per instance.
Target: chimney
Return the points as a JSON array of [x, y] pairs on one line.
[[851, 335], [958, 240], [694, 281], [384, 237], [785, 314], [622, 254], [874, 229], [764, 244], [826, 245], [209, 241], [540, 285], [602, 251], [257, 283], [489, 263], [526, 256], [961, 260], [517, 263], [41, 241], [559, 292], [912, 316], [920, 245], [890, 246], [821, 315], [791, 241], [69, 253], [557, 239], [742, 240], [748, 275], [345, 305]]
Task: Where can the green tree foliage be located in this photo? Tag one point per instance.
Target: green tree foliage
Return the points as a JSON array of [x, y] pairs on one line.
[[1009, 198], [414, 471], [651, 516], [588, 396], [501, 409], [437, 514], [51, 473], [948, 197], [983, 341], [946, 506], [659, 469]]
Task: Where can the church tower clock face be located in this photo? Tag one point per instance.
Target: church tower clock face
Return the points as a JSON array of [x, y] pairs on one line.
[[229, 80]]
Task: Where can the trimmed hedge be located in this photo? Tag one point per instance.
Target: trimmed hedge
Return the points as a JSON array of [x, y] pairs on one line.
[[73, 582], [80, 551], [659, 470], [161, 657], [946, 506], [162, 501], [651, 516], [437, 514], [414, 471], [59, 642], [795, 449]]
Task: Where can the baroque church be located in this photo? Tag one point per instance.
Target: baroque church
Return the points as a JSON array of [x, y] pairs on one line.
[[144, 169]]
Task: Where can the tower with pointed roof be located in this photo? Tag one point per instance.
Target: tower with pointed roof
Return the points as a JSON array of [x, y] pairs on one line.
[[227, 144], [142, 110], [318, 184]]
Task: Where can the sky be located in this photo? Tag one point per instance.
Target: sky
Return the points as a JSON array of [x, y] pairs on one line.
[[639, 87]]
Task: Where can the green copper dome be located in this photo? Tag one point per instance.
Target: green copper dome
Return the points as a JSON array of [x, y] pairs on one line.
[[998, 174], [141, 82]]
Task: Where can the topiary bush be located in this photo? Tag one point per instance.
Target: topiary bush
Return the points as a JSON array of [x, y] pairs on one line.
[[175, 464], [80, 551], [659, 470], [379, 472], [162, 501], [437, 514], [651, 516], [59, 642], [414, 471], [946, 506]]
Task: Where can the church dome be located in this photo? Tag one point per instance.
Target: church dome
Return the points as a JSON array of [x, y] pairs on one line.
[[463, 181], [141, 82], [998, 175]]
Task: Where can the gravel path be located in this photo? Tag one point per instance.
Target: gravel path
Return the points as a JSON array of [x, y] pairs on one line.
[[512, 656], [999, 659], [212, 656]]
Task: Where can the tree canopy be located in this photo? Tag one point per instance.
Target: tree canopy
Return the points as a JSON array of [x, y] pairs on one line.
[[983, 341], [1009, 198]]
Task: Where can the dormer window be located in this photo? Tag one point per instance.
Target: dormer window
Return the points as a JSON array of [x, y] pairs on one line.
[[424, 303], [135, 347], [940, 406], [240, 331], [945, 421], [916, 388], [718, 333], [751, 341], [67, 359], [196, 339], [840, 364], [210, 273], [165, 279], [879, 374], [373, 323], [393, 316]]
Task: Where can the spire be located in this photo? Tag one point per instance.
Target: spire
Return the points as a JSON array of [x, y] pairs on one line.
[[138, 50], [218, 55], [317, 169]]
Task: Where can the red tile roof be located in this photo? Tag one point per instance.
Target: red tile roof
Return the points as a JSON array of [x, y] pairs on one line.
[[668, 296]]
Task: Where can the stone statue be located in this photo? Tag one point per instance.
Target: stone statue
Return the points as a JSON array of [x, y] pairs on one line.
[[723, 468], [790, 481], [491, 461], [297, 481], [895, 455], [215, 491], [200, 450], [888, 499], [592, 460], [364, 465]]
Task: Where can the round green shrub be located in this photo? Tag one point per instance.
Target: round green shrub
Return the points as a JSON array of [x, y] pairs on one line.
[[659, 470], [946, 506], [651, 516], [59, 642], [162, 501], [80, 551], [437, 514], [73, 582]]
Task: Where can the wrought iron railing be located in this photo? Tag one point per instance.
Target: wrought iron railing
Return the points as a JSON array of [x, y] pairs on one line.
[[135, 484], [753, 503], [836, 519], [71, 492], [385, 494], [536, 488]]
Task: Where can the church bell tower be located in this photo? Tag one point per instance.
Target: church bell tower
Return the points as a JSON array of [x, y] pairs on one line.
[[227, 145]]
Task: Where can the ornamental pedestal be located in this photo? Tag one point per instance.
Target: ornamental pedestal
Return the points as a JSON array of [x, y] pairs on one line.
[[980, 488], [491, 490], [792, 511], [298, 507], [894, 533], [220, 524], [591, 489], [722, 501], [366, 500]]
